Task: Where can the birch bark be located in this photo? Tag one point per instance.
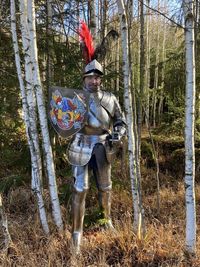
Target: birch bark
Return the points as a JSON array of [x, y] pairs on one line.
[[43, 118], [30, 96], [4, 225], [36, 173], [129, 115], [49, 68], [188, 6]]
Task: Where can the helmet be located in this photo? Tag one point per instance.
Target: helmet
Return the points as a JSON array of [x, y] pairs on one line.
[[93, 68], [92, 54]]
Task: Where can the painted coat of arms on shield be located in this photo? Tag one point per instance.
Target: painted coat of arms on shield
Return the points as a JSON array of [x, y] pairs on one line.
[[67, 110]]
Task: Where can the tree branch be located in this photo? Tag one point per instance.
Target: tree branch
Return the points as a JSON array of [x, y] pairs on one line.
[[164, 15]]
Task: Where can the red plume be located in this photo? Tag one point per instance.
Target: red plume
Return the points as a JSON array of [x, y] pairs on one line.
[[86, 42]]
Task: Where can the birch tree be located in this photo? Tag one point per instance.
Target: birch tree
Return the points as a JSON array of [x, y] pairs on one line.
[[43, 118], [49, 63], [188, 7], [129, 116], [33, 146], [4, 225], [34, 106]]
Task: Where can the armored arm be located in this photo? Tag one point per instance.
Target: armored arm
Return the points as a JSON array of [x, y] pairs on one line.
[[111, 104], [119, 123]]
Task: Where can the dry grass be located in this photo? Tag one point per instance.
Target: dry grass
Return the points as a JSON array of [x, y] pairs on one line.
[[163, 244]]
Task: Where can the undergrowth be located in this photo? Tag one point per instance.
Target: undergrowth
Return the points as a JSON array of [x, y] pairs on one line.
[[162, 245], [163, 242]]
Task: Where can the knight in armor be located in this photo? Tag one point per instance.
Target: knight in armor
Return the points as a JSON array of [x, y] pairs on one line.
[[91, 149]]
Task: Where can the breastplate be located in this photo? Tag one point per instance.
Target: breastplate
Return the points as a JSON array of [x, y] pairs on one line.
[[98, 121]]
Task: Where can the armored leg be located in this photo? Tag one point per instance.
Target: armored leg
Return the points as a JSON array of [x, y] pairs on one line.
[[105, 205], [103, 177], [78, 203]]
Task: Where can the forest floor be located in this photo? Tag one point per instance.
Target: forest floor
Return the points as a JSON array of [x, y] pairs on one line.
[[164, 238]]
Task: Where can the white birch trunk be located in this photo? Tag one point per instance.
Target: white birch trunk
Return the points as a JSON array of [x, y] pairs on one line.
[[188, 6], [4, 225], [117, 65], [36, 179], [43, 119], [129, 115], [30, 96], [49, 68]]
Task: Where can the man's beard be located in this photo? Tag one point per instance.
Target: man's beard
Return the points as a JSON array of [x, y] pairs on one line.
[[93, 88]]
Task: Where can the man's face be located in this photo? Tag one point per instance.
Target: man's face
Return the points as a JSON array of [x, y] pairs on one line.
[[92, 83]]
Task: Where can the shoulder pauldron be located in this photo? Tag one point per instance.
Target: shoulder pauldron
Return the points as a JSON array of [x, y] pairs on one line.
[[108, 102]]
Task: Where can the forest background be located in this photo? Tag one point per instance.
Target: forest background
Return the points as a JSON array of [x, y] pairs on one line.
[[158, 25]]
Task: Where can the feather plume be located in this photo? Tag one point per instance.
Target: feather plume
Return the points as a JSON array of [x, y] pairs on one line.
[[101, 49], [86, 42]]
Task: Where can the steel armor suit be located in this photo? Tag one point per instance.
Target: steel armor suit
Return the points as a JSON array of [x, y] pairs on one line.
[[89, 150]]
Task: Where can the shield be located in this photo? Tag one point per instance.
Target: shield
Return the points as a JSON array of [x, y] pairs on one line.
[[67, 110]]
